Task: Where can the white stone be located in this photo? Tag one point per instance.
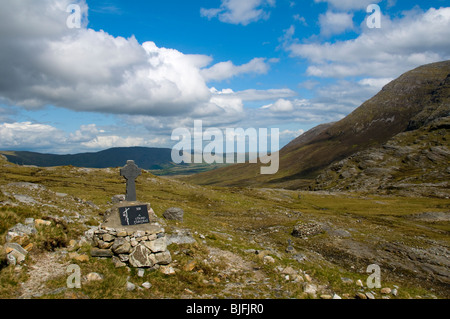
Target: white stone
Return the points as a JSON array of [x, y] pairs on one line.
[[310, 289], [268, 259], [157, 245], [386, 291], [147, 285], [167, 270], [94, 276], [370, 295], [130, 286]]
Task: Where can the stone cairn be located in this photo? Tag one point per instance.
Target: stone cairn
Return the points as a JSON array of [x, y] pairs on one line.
[[140, 245]]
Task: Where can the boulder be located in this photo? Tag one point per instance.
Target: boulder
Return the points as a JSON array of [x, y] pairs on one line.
[[140, 257], [121, 246], [130, 286], [310, 289], [360, 295], [96, 252], [180, 237], [386, 291], [369, 295], [16, 251], [41, 222], [167, 270], [94, 276], [162, 258], [22, 230], [117, 262], [147, 285], [174, 213], [156, 245], [108, 237]]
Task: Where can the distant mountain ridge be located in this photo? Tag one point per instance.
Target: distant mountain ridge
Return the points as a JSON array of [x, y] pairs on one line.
[[144, 157]]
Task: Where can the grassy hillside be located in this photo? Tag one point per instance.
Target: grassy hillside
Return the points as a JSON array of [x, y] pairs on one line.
[[243, 244]]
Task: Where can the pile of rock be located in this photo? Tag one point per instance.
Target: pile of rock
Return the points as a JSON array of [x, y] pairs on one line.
[[136, 248], [19, 235], [307, 230]]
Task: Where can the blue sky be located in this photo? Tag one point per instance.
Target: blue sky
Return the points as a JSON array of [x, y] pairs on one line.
[[136, 70]]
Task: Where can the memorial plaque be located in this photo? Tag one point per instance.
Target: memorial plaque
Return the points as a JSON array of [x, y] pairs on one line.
[[134, 215]]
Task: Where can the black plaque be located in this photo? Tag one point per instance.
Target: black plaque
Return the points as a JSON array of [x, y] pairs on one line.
[[134, 215]]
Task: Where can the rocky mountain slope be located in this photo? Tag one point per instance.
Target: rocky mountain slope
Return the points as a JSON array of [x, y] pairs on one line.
[[413, 100], [413, 162]]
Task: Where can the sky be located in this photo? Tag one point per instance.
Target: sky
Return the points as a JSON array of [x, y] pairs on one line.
[[131, 72]]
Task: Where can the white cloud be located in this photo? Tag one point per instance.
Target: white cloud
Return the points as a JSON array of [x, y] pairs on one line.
[[43, 62], [400, 45], [280, 105], [257, 95], [227, 70], [335, 23], [349, 4], [87, 70], [239, 11], [376, 83], [291, 134], [300, 19], [85, 133], [46, 138], [28, 135], [104, 142]]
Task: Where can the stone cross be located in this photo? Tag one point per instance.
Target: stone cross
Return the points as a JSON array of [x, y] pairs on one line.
[[130, 172]]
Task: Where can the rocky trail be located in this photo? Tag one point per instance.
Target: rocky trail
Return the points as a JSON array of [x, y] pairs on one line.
[[44, 267]]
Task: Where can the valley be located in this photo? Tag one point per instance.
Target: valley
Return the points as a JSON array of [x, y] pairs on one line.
[[242, 245]]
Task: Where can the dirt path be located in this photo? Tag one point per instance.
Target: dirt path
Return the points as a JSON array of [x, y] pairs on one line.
[[44, 267]]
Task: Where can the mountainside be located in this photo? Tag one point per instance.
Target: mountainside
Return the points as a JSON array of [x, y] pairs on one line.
[[414, 99], [413, 162]]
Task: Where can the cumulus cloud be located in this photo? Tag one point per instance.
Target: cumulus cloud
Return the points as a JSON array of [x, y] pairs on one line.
[[26, 135], [239, 12], [227, 70], [43, 62], [103, 142], [280, 105], [400, 45], [46, 138], [335, 23], [86, 133]]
